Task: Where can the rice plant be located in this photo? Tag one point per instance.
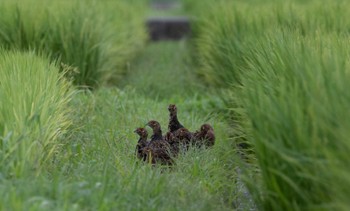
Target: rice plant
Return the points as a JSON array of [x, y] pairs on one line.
[[224, 31], [291, 96], [34, 111], [96, 38], [287, 67]]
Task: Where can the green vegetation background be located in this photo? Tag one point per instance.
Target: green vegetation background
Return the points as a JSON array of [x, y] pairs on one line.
[[77, 77]]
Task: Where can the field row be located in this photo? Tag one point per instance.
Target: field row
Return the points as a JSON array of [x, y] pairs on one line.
[[279, 71], [284, 66]]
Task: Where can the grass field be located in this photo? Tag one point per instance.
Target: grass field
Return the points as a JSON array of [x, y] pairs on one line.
[[97, 40], [96, 168], [285, 65], [270, 76]]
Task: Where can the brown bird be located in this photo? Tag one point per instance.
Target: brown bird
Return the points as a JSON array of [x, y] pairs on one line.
[[157, 131], [205, 136], [183, 138], [173, 142], [183, 135], [142, 143], [158, 150], [174, 123], [169, 137]]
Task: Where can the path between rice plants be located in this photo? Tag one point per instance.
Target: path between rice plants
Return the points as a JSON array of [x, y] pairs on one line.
[[163, 71]]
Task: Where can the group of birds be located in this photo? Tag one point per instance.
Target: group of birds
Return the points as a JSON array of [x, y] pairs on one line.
[[163, 148]]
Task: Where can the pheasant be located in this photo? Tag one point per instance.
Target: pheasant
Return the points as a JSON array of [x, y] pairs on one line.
[[157, 131], [158, 150], [174, 123], [183, 135], [205, 136], [142, 143], [173, 142], [183, 138]]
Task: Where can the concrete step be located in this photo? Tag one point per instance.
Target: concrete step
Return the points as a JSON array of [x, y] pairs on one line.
[[168, 28]]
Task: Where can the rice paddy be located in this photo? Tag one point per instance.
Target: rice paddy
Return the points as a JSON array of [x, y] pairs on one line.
[[78, 77]]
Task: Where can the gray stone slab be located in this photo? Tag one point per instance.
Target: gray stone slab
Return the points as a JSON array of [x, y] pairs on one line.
[[168, 28]]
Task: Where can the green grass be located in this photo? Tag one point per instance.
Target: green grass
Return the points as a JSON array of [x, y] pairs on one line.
[[163, 70], [96, 169], [98, 40], [287, 72], [225, 31], [34, 111], [64, 149], [297, 85], [277, 70]]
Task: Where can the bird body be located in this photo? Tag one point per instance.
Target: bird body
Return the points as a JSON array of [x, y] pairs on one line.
[[161, 149], [157, 131], [173, 142], [174, 123], [205, 136], [183, 135], [158, 149], [142, 143]]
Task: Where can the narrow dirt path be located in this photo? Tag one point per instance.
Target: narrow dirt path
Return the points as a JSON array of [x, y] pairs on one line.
[[164, 70]]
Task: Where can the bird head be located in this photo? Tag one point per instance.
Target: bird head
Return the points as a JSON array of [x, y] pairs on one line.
[[141, 131], [172, 108], [206, 127], [153, 124]]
